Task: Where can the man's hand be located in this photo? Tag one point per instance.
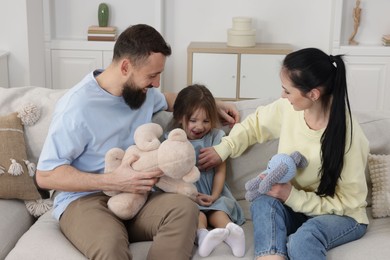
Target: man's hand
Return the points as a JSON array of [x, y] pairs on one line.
[[228, 113], [127, 179], [208, 158]]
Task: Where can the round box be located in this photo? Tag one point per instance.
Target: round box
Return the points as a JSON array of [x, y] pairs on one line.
[[241, 38], [242, 23]]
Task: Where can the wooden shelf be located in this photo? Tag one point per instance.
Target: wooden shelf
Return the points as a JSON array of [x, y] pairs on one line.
[[222, 47]]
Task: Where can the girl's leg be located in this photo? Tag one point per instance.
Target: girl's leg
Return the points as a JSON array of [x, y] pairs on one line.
[[319, 234], [236, 235], [202, 224], [208, 240], [273, 222]]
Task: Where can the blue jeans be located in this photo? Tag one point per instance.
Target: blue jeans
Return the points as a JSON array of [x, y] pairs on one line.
[[279, 230]]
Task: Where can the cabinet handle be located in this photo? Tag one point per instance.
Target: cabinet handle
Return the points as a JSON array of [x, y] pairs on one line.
[[243, 76], [233, 77]]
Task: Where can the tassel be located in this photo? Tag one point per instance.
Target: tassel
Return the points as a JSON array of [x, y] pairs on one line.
[[2, 170], [30, 167], [15, 169], [38, 207]]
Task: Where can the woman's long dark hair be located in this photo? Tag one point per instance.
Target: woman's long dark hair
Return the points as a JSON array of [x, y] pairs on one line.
[[311, 68]]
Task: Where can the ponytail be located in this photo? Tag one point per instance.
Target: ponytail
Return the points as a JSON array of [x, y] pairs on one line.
[[333, 140]]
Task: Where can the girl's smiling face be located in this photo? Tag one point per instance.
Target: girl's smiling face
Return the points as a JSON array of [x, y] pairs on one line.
[[198, 125]]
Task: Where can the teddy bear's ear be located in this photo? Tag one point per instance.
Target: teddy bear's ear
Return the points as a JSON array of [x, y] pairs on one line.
[[177, 134], [146, 136]]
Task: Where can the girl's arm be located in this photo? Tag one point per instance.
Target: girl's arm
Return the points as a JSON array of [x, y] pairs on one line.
[[219, 181]]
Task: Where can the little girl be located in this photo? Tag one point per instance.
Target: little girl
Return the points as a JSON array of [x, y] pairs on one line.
[[195, 111]]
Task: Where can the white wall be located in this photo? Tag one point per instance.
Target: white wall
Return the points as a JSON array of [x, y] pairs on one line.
[[25, 46]]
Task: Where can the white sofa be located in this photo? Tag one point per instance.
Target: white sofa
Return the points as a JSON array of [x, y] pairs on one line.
[[23, 237]]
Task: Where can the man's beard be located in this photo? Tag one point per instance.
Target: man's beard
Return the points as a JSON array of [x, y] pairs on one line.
[[133, 96]]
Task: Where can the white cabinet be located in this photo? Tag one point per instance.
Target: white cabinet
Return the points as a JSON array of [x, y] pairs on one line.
[[260, 75], [368, 81], [217, 71], [233, 73], [4, 80], [71, 61], [69, 67]]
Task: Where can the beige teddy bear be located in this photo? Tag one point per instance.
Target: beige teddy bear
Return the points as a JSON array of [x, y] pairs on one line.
[[175, 157]]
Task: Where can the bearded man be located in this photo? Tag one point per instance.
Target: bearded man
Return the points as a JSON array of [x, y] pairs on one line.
[[102, 112]]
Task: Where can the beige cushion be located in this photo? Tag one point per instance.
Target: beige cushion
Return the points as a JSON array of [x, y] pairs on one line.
[[14, 221], [12, 146], [379, 167]]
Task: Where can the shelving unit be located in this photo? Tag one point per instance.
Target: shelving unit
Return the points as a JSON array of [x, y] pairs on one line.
[[69, 56], [368, 63]]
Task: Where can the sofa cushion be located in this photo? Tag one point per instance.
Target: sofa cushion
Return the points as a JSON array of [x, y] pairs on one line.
[[375, 125], [44, 240], [373, 245], [379, 168], [15, 181], [14, 222]]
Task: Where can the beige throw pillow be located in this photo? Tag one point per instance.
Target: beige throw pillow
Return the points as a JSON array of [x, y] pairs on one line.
[[379, 168], [15, 180]]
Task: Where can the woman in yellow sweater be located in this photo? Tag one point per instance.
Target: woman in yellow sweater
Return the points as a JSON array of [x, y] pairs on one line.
[[324, 205]]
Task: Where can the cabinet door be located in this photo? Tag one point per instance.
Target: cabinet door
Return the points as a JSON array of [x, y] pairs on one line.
[[368, 80], [218, 72], [259, 75], [70, 66]]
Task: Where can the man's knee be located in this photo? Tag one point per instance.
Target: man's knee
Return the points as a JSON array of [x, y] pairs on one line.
[[184, 207], [110, 248]]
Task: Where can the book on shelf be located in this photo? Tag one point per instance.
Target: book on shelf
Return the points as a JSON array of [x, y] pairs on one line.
[[96, 33], [101, 38], [102, 29]]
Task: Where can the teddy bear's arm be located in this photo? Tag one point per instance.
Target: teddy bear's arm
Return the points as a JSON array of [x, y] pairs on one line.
[[273, 177], [253, 184], [252, 195]]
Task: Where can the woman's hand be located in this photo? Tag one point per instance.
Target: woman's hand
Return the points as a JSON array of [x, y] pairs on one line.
[[228, 113], [208, 159], [280, 191]]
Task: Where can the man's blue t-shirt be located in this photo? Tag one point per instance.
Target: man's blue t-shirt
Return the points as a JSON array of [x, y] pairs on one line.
[[87, 122]]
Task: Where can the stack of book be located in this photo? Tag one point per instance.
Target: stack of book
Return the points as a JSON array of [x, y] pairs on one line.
[[96, 33], [386, 40]]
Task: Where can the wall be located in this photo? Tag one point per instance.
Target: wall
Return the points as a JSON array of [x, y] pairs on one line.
[[25, 61]]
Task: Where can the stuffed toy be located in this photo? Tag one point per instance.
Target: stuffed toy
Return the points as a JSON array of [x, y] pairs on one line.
[[281, 169], [175, 157]]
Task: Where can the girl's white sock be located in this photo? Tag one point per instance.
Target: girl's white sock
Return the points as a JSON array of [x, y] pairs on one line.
[[236, 239], [208, 240]]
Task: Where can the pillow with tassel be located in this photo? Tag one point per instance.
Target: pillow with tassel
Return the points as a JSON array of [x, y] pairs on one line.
[[16, 171]]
